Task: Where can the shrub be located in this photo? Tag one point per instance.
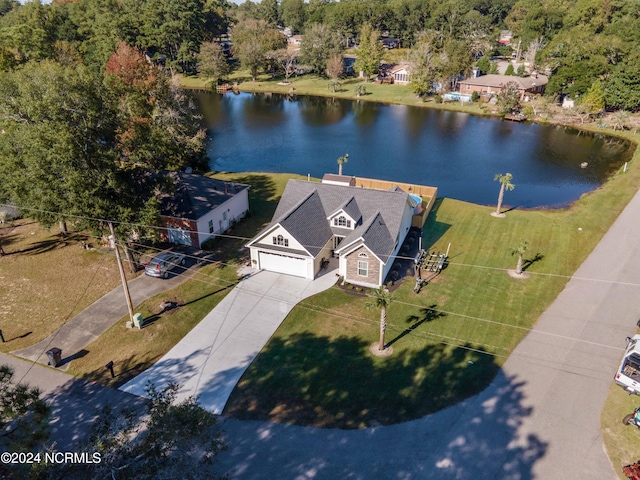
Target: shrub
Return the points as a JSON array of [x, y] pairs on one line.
[[475, 96]]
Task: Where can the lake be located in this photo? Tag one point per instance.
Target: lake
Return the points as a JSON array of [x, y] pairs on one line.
[[456, 152]]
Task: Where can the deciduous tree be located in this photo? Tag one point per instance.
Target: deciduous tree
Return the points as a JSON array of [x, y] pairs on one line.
[[319, 43], [212, 62], [370, 51]]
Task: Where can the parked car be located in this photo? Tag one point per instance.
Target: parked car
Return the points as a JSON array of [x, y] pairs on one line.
[[163, 263], [628, 376]]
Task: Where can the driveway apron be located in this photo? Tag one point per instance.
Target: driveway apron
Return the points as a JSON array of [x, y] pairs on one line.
[[211, 358]]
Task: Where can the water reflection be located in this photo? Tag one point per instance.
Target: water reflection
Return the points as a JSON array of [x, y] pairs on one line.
[[457, 152], [322, 111]]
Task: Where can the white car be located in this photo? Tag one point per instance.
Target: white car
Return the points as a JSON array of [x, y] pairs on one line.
[[628, 376]]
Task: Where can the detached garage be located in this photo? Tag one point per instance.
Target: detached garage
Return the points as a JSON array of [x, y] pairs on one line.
[[276, 262]]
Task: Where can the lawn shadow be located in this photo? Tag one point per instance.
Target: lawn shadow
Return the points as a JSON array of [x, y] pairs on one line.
[[433, 230], [52, 243], [310, 380], [427, 314], [24, 335], [303, 380], [66, 360], [530, 261]]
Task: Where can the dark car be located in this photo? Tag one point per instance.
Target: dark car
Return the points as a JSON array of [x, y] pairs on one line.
[[163, 263]]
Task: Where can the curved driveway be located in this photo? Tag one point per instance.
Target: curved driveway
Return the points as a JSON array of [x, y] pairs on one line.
[[540, 418]]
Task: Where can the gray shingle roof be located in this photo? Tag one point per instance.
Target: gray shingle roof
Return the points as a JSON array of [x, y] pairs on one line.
[[305, 206], [350, 207], [196, 195]]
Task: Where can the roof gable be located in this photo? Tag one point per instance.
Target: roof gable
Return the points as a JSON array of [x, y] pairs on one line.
[[305, 206]]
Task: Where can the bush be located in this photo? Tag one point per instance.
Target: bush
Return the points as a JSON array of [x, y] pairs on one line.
[[437, 98], [475, 96]]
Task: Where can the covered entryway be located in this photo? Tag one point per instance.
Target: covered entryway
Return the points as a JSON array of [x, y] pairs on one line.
[[179, 236], [274, 262]]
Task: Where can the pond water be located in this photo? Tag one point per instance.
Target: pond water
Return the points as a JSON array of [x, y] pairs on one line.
[[456, 152]]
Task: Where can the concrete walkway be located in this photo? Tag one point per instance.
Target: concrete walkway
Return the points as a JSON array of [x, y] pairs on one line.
[[210, 359], [539, 419], [88, 325]]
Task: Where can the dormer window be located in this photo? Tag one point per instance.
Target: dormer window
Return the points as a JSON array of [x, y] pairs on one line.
[[342, 221], [280, 240]]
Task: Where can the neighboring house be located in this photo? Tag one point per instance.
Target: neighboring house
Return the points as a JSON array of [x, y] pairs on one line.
[[400, 74], [295, 40], [363, 228], [489, 85], [200, 208], [505, 37]]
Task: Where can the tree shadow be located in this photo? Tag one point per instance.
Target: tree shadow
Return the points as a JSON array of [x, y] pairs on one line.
[[427, 314], [77, 403], [530, 261], [309, 380], [309, 391]]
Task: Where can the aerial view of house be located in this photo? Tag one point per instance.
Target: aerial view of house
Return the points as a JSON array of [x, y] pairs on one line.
[[363, 228]]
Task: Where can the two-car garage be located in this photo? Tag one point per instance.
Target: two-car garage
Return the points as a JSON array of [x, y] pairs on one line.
[[275, 262]]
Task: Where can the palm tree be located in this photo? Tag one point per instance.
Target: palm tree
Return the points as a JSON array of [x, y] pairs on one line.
[[505, 184], [342, 160], [520, 251], [381, 300]]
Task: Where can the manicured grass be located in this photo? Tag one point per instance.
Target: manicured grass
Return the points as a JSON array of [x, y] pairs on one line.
[[316, 370], [133, 351], [622, 442], [46, 279]]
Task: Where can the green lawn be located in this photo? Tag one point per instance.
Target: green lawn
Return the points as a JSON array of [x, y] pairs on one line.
[[133, 351], [317, 370]]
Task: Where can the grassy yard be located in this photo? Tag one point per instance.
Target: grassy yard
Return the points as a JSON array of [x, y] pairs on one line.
[[133, 351], [448, 341], [46, 279], [622, 442]]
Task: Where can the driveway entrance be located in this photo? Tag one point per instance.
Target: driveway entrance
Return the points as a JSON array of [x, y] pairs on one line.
[[209, 360]]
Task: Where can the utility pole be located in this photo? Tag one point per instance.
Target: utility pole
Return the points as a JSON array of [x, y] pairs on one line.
[[122, 275]]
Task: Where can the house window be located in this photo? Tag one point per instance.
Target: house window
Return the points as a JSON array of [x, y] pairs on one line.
[[363, 269], [280, 240], [210, 226], [224, 215], [468, 87], [341, 221], [363, 255]]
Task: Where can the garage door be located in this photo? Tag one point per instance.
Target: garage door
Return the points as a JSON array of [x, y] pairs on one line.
[[283, 264], [179, 236]]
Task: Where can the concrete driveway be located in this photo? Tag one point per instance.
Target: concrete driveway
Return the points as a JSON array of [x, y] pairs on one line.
[[539, 419], [211, 358], [88, 325]]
